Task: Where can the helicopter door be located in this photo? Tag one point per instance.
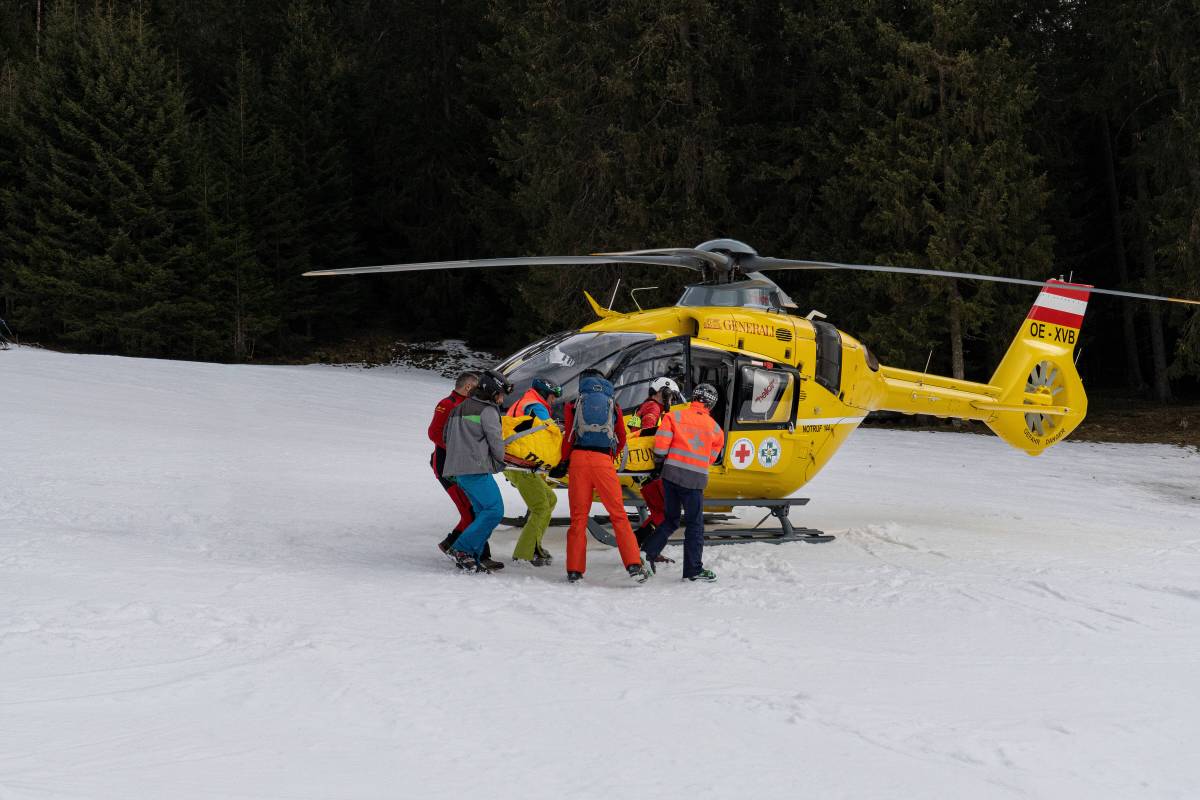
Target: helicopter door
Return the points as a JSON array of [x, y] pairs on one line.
[[766, 396], [641, 364], [716, 367]]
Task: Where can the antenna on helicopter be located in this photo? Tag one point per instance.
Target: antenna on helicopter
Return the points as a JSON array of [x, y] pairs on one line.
[[633, 295], [814, 314], [613, 299]]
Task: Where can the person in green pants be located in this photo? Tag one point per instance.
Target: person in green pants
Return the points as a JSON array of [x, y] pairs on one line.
[[534, 490]]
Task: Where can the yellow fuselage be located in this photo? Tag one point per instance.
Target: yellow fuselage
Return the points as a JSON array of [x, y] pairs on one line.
[[777, 458]]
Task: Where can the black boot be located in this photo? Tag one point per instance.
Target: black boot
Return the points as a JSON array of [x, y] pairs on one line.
[[487, 560], [447, 544]]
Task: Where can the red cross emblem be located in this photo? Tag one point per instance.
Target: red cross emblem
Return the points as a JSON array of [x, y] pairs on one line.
[[743, 453]]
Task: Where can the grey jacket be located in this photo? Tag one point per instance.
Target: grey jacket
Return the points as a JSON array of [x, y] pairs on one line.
[[474, 441]]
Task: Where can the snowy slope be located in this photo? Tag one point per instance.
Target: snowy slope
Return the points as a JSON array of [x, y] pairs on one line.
[[221, 581]]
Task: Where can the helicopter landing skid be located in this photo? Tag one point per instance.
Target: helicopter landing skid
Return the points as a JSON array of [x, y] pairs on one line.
[[598, 525]]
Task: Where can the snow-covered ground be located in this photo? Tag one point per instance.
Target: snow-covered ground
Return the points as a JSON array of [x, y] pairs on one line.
[[221, 582]]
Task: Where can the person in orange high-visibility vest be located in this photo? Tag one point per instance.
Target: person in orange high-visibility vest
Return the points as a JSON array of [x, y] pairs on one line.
[[688, 441]]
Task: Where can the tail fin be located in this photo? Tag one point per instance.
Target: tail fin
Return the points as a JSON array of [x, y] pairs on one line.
[[1043, 398]]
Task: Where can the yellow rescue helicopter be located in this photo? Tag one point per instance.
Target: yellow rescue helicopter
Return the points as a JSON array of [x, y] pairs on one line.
[[791, 387]]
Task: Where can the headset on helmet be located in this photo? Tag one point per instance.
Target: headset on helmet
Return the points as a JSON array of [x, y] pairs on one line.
[[705, 393], [545, 388]]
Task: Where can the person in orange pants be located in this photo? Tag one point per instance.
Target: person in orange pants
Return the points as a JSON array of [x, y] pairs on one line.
[[595, 433]]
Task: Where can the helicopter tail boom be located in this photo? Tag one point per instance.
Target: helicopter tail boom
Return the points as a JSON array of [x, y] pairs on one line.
[[1034, 399]]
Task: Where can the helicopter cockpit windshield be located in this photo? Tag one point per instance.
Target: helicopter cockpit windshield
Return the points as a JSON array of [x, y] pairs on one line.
[[761, 295], [560, 357]]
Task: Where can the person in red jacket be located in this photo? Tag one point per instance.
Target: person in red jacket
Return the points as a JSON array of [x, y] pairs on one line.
[[463, 387], [664, 393]]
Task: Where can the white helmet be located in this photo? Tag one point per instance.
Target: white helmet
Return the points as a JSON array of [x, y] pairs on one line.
[[658, 384]]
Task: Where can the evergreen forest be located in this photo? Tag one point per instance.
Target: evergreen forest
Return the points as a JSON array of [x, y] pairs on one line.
[[169, 168]]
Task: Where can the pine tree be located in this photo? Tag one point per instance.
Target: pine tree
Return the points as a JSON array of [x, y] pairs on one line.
[[309, 222], [950, 181], [617, 138], [102, 223], [240, 184]]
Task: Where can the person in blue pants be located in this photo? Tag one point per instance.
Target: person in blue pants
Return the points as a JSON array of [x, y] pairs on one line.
[[474, 453]]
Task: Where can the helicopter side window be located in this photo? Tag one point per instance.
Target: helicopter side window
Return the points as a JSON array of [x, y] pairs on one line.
[[765, 395], [561, 357], [633, 378]]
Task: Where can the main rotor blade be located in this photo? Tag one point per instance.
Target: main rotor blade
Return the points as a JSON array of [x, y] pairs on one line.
[[717, 260], [761, 263], [520, 261]]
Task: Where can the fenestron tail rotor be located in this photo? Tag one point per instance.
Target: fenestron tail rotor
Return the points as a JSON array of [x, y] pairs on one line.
[[1044, 379]]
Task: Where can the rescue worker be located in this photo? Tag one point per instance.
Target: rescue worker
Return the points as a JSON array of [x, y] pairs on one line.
[[594, 432], [475, 452], [463, 386], [538, 496], [688, 442], [663, 394]]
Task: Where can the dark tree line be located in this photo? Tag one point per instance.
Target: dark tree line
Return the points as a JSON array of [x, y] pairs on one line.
[[168, 168]]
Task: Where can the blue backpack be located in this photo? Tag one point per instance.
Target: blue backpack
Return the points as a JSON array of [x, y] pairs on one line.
[[594, 415]]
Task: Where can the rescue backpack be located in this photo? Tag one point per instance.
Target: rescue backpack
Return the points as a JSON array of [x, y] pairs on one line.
[[594, 409]]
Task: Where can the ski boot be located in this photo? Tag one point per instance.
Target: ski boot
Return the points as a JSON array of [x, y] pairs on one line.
[[467, 562], [541, 557], [706, 575], [639, 572], [574, 577]]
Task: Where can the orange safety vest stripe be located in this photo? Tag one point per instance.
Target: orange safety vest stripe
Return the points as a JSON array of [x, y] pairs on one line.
[[698, 442]]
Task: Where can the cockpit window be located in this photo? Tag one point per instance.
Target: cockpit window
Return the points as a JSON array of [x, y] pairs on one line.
[[560, 358], [731, 296]]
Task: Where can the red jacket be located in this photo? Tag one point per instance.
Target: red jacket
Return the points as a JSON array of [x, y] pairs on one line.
[[437, 426], [569, 427], [649, 413]]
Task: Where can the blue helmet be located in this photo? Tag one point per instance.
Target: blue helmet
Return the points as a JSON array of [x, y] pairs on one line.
[[545, 388]]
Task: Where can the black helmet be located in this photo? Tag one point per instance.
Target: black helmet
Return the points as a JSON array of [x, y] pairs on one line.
[[490, 385], [705, 393], [545, 388]]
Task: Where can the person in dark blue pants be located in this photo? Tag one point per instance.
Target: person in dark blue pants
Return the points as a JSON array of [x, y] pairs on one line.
[[688, 441], [691, 502]]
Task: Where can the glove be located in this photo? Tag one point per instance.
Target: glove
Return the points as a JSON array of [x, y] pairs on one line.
[[558, 471], [656, 473]]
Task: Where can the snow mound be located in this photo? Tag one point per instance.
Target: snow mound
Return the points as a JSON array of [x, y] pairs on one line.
[[221, 581]]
